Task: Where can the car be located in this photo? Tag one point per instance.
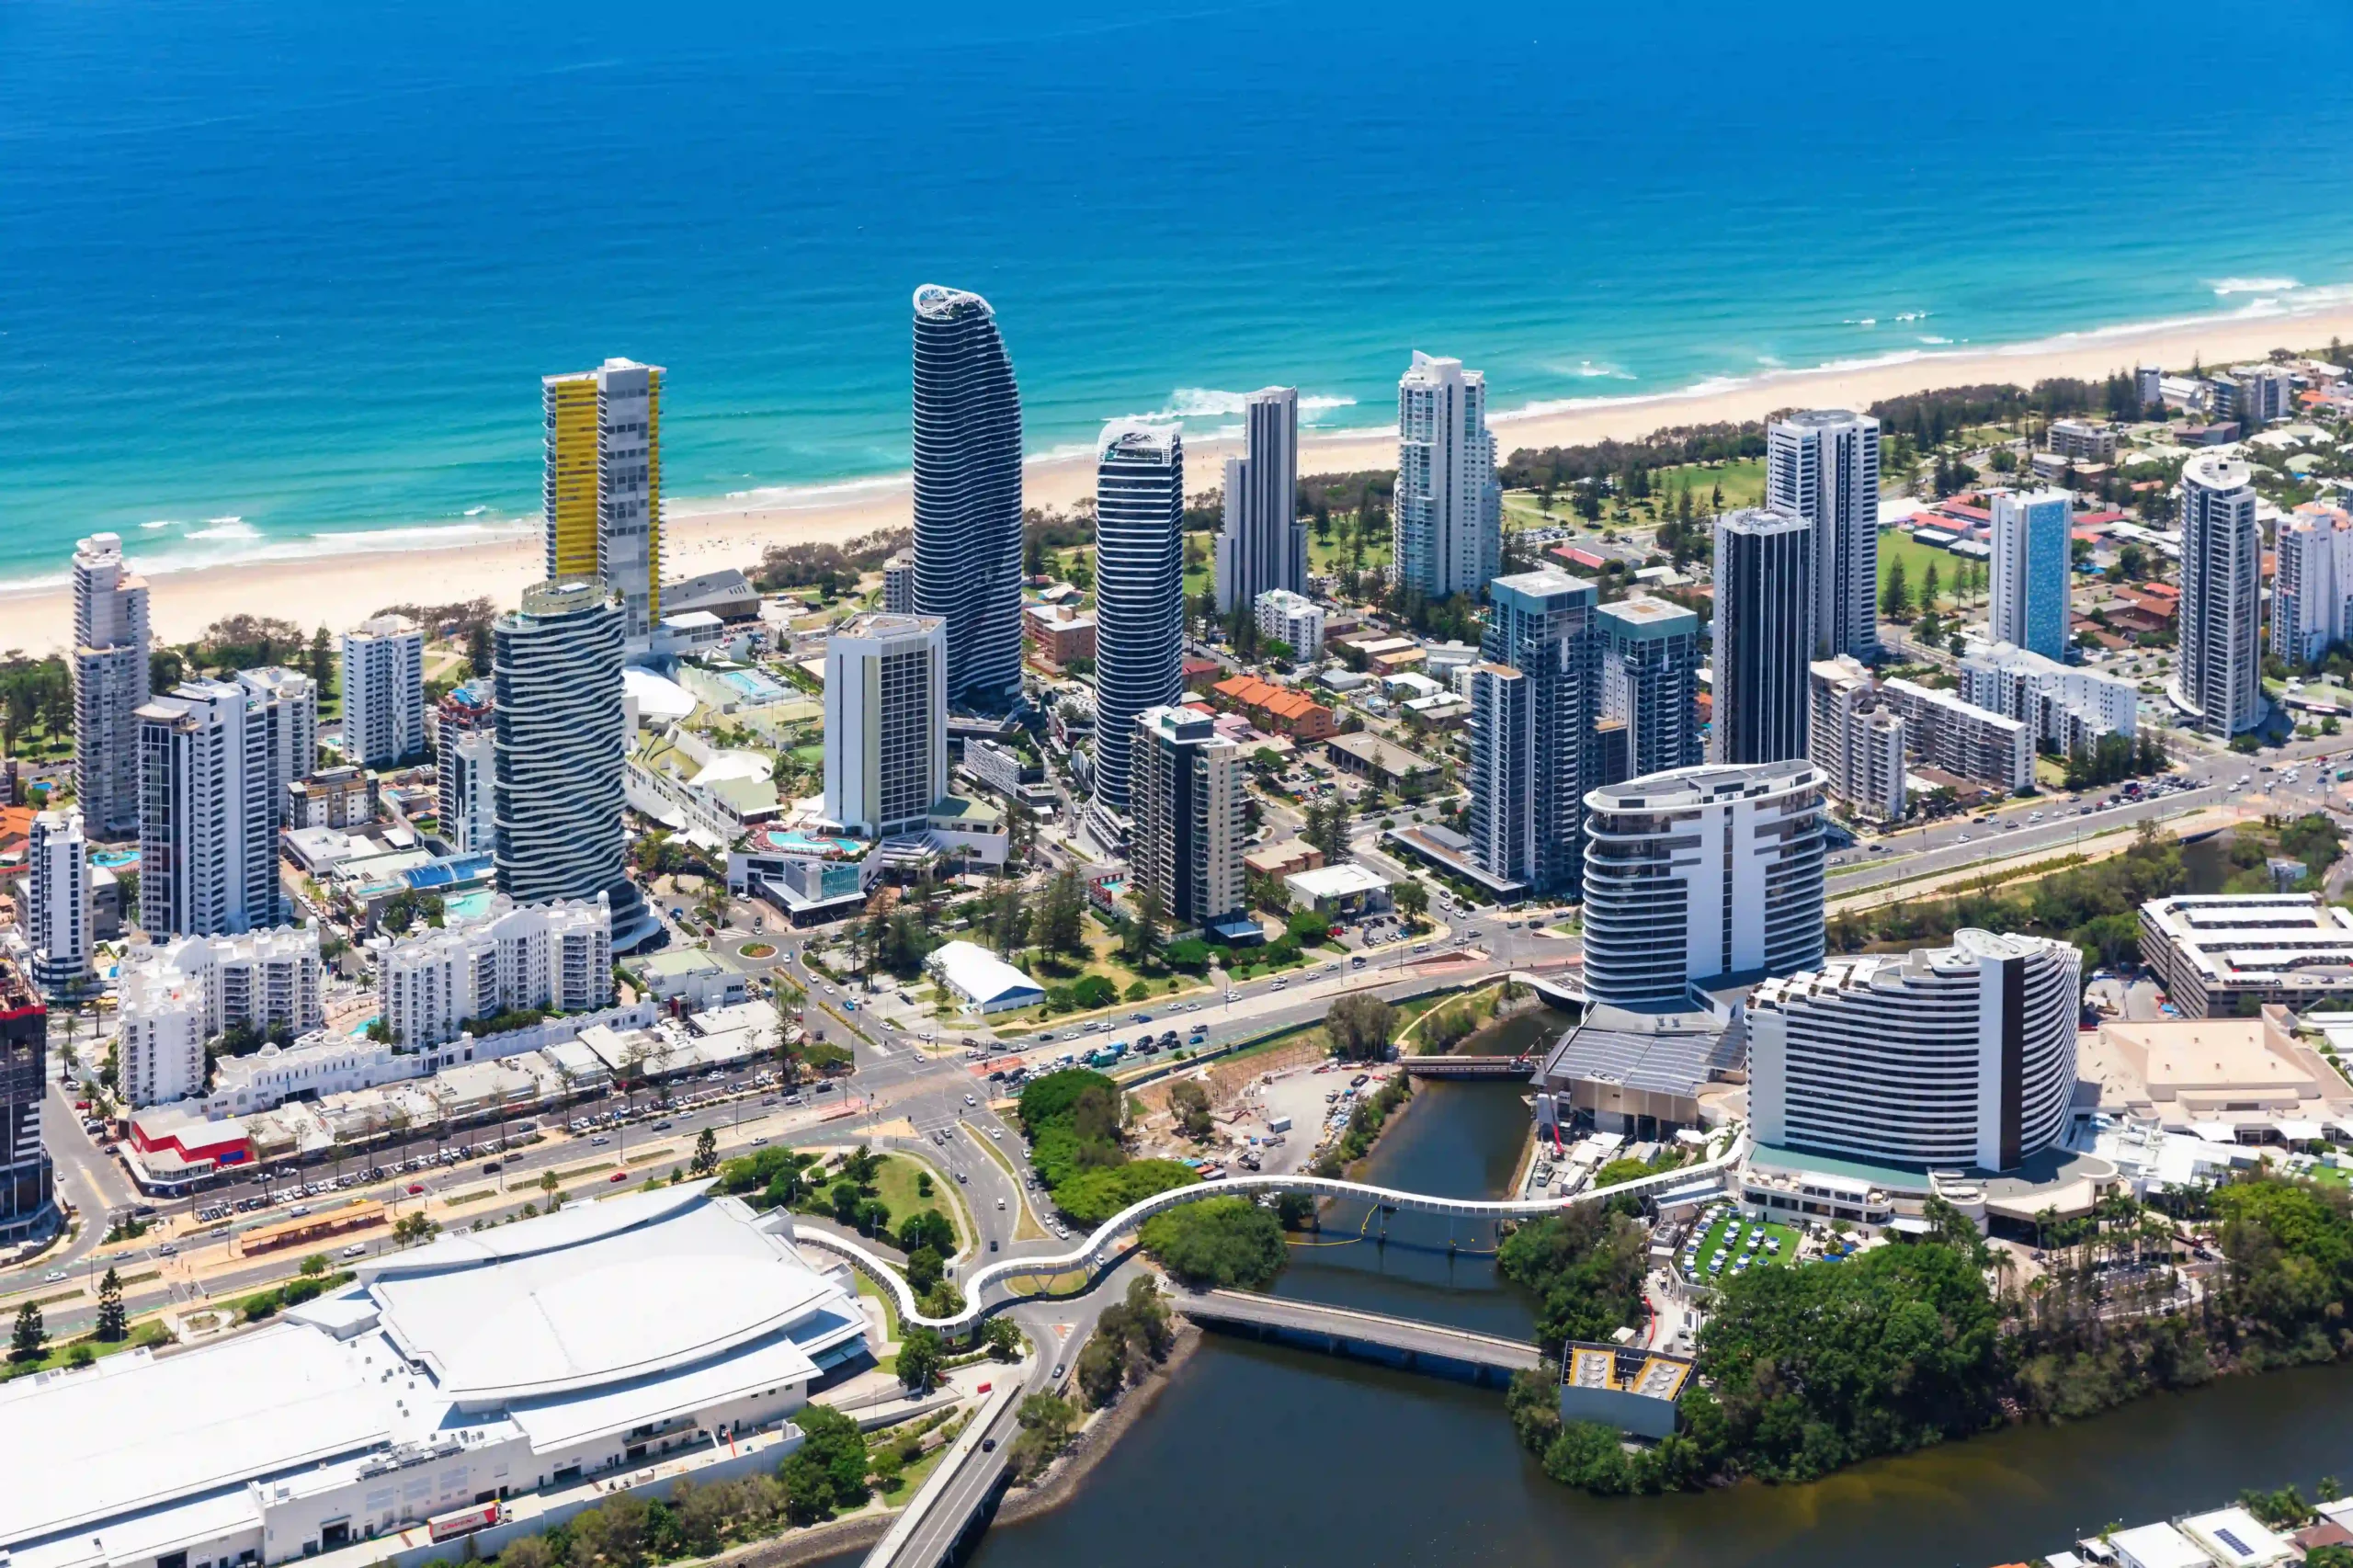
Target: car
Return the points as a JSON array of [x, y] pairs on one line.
[[988, 1445], [490, 1167], [300, 1209], [618, 1176], [960, 1179], [417, 1189], [357, 1249], [598, 1140], [970, 1101], [53, 1277], [1058, 1371], [662, 1125]]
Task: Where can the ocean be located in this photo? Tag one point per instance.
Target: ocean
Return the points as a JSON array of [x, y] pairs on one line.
[[280, 273]]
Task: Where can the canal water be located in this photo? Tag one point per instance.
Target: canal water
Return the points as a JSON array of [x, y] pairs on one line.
[[1256, 1455]]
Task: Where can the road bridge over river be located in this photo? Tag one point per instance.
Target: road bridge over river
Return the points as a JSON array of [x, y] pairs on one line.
[[1371, 1336]]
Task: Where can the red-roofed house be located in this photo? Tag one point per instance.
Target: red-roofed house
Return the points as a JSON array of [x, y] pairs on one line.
[[1585, 559], [1278, 709]]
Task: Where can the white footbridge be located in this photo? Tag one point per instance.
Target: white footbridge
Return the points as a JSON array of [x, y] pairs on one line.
[[1099, 1245]]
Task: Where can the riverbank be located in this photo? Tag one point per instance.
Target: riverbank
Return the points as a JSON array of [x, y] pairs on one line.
[[1094, 1442], [339, 579]]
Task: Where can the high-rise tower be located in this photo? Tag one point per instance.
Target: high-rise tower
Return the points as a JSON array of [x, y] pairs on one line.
[[556, 697], [383, 692], [109, 666], [1824, 467], [1536, 694], [1263, 545], [2217, 670], [1139, 591], [968, 495], [602, 485], [215, 759], [58, 919], [886, 722], [1650, 682], [1449, 525], [2030, 567], [1764, 604]]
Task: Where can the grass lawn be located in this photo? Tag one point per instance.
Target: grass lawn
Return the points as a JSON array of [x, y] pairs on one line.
[[1325, 558], [2331, 1176], [62, 1354], [1712, 1239], [896, 1184], [1918, 558], [915, 1475]]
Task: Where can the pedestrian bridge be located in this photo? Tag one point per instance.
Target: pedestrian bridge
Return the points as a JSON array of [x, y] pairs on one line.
[[1468, 1066], [1098, 1247]]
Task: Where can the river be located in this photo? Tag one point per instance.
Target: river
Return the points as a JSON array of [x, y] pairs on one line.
[[1258, 1457]]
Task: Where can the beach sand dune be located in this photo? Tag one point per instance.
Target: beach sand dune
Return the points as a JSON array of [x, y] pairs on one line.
[[338, 591]]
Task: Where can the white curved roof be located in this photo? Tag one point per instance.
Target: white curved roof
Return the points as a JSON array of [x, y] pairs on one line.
[[660, 699], [601, 1293]]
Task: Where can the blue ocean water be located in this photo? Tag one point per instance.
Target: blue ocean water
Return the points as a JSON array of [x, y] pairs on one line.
[[278, 271]]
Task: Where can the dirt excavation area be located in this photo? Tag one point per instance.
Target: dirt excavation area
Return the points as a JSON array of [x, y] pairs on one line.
[[1271, 1107]]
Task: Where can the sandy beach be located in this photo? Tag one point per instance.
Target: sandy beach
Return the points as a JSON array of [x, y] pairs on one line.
[[338, 590]]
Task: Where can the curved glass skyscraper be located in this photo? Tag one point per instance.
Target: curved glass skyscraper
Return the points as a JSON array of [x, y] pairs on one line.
[[968, 495], [560, 733], [1139, 591]]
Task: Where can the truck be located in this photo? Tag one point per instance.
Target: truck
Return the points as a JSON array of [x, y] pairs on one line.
[[1279, 1124]]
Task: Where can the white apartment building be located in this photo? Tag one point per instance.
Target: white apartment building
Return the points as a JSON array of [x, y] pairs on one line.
[[465, 743], [1823, 466], [2066, 705], [110, 683], [2311, 587], [58, 917], [1944, 732], [1946, 1057], [383, 692], [886, 722], [1448, 519], [556, 956], [1856, 739], [159, 1044], [1293, 620], [2084, 440], [1699, 873], [215, 759], [177, 995], [2217, 671]]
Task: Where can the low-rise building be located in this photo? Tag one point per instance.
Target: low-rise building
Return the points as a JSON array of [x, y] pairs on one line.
[[432, 981], [713, 794], [1283, 860], [689, 975], [1942, 730], [2225, 954], [1856, 739], [1059, 634], [335, 797], [1293, 620], [175, 997], [985, 983], [2084, 440], [1345, 892], [2228, 1080], [1384, 763], [2063, 705], [1281, 709], [494, 1384]]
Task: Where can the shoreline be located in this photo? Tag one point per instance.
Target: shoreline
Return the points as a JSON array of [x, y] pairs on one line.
[[352, 580]]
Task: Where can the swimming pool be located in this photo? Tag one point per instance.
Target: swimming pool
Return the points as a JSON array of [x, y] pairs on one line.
[[115, 859]]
